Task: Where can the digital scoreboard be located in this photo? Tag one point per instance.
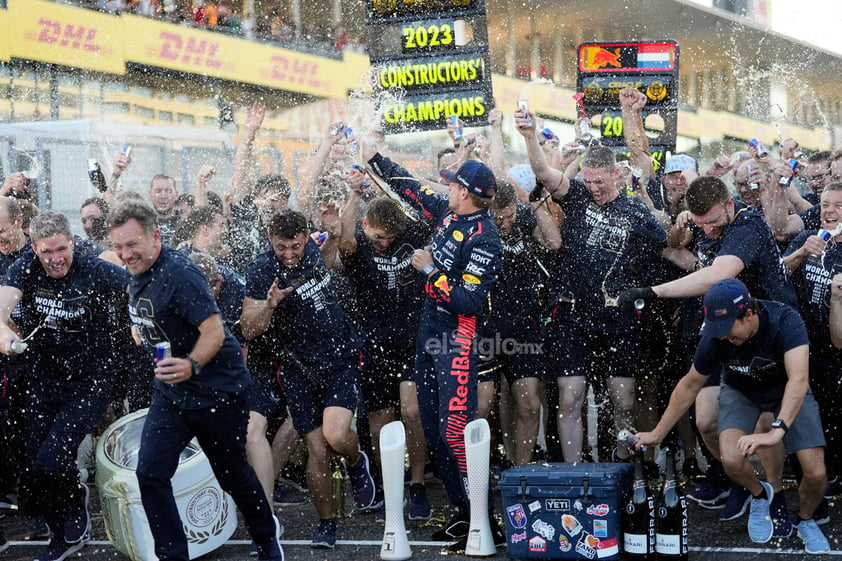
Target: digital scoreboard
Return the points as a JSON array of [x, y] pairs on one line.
[[430, 58], [651, 67]]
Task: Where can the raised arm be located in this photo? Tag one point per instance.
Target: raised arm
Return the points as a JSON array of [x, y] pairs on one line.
[[204, 176], [553, 180], [632, 102], [306, 198], [241, 184]]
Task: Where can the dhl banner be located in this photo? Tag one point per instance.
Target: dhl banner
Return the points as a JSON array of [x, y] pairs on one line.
[[81, 38]]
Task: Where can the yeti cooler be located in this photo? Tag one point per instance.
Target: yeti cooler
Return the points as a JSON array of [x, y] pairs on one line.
[[564, 511]]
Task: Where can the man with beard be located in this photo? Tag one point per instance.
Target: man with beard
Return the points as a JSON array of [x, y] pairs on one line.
[[290, 296]]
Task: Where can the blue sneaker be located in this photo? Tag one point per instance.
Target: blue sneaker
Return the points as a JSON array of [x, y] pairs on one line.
[[814, 540], [77, 526], [760, 526], [365, 490], [711, 493], [325, 537], [737, 503], [59, 550], [781, 518], [419, 504]]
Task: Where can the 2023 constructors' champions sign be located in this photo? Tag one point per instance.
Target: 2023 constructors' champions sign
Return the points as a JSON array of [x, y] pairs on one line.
[[431, 56]]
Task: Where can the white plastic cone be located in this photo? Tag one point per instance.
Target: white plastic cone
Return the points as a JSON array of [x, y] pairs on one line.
[[477, 451], [392, 449]]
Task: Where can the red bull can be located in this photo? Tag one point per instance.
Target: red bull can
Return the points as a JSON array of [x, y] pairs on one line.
[[786, 181], [162, 351]]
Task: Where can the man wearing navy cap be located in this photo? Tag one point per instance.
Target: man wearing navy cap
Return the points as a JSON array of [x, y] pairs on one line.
[[460, 267], [763, 349]]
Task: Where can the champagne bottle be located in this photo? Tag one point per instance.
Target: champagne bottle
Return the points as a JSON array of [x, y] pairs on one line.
[[671, 519], [639, 516]]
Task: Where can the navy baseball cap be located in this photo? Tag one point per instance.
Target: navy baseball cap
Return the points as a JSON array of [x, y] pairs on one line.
[[724, 302], [475, 176]]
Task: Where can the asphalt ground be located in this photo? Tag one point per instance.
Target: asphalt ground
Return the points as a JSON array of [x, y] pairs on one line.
[[360, 537]]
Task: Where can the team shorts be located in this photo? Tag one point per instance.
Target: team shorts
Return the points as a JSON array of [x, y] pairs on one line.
[[738, 411], [311, 388], [516, 357], [384, 367], [573, 349]]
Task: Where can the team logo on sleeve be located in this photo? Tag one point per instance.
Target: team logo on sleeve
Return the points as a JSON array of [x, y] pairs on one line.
[[470, 279], [442, 284]]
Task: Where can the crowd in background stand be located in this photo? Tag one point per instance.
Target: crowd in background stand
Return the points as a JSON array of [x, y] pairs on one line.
[[274, 26]]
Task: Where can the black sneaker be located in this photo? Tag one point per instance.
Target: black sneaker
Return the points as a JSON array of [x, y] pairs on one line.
[[36, 529], [419, 504], [77, 527], [4, 543], [822, 513], [497, 535], [456, 529], [834, 488], [59, 550]]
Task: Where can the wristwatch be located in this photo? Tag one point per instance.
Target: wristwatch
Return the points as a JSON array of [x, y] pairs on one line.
[[428, 269], [194, 365], [779, 424]]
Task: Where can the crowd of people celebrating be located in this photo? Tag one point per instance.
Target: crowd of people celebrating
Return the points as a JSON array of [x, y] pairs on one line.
[[306, 317]]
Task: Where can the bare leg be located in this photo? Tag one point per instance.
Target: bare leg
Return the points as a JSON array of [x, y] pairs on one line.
[[707, 415], [318, 472], [416, 444], [621, 392], [813, 482], [260, 453], [525, 392], [571, 397]]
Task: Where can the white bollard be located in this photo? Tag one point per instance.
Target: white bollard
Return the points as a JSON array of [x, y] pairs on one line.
[[392, 449], [477, 452]]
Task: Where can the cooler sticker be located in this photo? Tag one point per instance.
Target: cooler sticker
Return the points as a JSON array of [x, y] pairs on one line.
[[557, 504], [537, 543], [517, 517], [577, 505], [458, 236], [517, 538], [600, 528], [598, 510], [543, 529], [607, 548], [570, 524], [586, 547], [564, 543], [535, 505]]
